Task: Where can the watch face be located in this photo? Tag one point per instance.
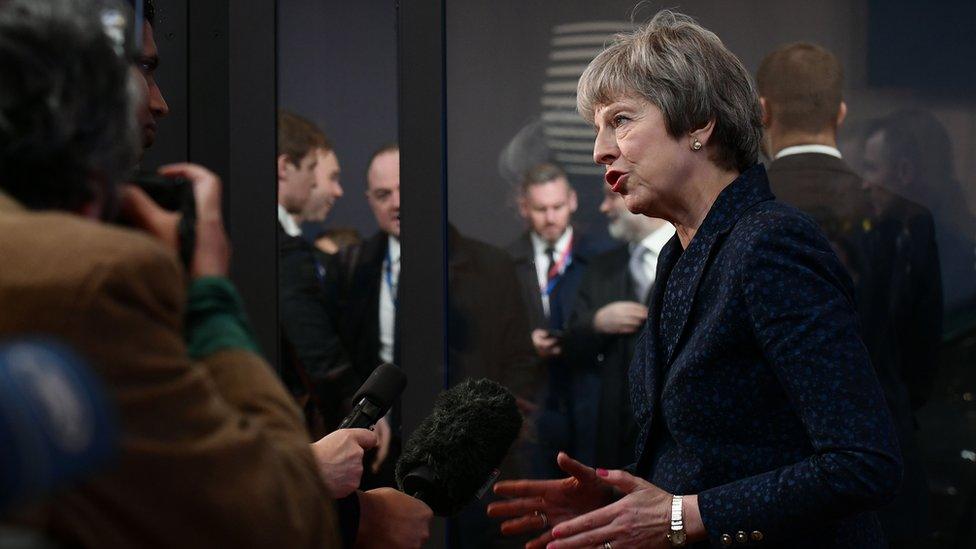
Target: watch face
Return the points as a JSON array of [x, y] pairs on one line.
[[677, 538]]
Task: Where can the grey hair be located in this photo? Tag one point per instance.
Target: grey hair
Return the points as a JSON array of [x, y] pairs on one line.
[[684, 70], [67, 124]]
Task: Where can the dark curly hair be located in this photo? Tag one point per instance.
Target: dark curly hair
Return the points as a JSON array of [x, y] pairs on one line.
[[67, 125]]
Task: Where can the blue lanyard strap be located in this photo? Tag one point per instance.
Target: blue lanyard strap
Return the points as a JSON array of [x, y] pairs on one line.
[[555, 280], [389, 279], [560, 269]]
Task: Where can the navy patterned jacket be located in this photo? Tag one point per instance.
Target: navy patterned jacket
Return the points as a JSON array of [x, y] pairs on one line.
[[752, 387]]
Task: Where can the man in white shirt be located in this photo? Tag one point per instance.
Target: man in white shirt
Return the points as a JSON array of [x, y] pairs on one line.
[[313, 364], [547, 256], [610, 310], [550, 258], [369, 278]]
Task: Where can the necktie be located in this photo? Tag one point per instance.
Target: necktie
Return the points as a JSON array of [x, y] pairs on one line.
[[642, 281], [552, 270]]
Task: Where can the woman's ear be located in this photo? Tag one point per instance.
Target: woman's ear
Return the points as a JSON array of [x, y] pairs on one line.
[[704, 133]]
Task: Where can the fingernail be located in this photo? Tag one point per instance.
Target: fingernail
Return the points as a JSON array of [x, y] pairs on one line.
[[603, 472]]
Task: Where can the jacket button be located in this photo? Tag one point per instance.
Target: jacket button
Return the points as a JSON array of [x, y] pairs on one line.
[[599, 357], [741, 537], [757, 536], [726, 539]]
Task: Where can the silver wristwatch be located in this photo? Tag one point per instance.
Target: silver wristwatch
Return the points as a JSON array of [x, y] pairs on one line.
[[676, 535]]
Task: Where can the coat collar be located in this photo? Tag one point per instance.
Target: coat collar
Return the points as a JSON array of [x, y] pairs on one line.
[[686, 268], [811, 161], [522, 251], [8, 204]]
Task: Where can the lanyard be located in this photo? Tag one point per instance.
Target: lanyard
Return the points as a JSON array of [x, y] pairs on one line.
[[565, 260], [389, 279]]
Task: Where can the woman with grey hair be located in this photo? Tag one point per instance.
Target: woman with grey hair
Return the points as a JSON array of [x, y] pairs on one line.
[[762, 421]]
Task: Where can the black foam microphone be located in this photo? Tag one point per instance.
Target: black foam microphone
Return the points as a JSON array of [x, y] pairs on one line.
[[454, 454], [373, 400]]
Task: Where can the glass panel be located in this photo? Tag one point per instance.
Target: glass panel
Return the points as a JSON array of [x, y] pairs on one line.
[[338, 202], [547, 296]]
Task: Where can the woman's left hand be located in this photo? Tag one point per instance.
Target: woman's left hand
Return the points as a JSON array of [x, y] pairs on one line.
[[641, 518]]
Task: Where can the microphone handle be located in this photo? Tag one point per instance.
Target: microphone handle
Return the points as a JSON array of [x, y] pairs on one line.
[[364, 415]]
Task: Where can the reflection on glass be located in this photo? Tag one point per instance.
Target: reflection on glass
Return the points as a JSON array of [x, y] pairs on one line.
[[895, 206], [339, 212]]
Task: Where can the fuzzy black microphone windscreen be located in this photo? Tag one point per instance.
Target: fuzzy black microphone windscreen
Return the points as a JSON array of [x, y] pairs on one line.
[[456, 450]]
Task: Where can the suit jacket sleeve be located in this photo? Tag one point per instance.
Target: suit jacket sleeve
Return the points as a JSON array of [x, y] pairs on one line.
[[214, 453], [798, 298], [306, 322]]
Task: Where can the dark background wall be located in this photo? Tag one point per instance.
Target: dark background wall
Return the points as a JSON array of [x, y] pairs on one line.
[[498, 51], [337, 66], [217, 72], [172, 36]]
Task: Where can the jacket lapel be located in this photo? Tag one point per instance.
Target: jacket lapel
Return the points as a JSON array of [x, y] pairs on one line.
[[672, 295], [647, 364], [680, 291], [524, 257], [750, 188]]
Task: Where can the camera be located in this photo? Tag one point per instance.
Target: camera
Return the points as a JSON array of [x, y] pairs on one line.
[[176, 195]]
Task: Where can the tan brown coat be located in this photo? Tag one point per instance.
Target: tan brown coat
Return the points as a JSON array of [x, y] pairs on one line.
[[213, 453]]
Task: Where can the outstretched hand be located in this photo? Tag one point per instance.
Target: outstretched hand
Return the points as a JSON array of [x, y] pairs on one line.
[[642, 518], [542, 504]]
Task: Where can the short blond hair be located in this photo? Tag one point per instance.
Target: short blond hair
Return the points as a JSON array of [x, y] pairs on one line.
[[684, 70]]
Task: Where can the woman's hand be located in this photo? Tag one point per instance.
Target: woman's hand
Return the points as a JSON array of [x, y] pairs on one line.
[[642, 518], [541, 504]]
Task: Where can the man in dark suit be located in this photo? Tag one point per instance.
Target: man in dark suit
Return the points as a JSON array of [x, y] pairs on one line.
[[909, 152], [610, 309], [368, 278], [166, 340], [886, 243], [550, 258], [314, 366]]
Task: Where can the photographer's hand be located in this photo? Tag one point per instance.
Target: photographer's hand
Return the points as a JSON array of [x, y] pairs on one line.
[[211, 256]]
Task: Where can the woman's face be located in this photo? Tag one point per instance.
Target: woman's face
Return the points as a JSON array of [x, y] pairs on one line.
[[645, 165]]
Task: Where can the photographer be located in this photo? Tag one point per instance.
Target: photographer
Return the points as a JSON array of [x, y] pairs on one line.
[[212, 451]]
